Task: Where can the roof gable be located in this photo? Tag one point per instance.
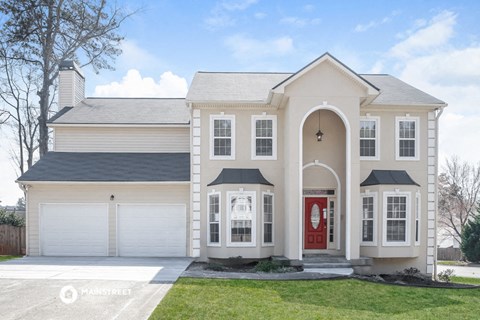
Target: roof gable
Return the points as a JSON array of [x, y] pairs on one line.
[[327, 57]]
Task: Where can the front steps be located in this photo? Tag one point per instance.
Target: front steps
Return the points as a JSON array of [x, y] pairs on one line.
[[330, 264]]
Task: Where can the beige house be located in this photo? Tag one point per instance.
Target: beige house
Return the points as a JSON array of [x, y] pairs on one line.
[[323, 161]]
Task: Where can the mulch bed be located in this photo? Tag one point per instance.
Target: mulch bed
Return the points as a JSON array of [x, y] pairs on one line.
[[413, 280]]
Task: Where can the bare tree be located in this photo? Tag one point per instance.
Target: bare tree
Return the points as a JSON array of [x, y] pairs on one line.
[[42, 33], [17, 88], [459, 195]]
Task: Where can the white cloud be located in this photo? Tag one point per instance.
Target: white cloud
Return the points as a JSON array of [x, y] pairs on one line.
[[430, 59], [436, 33], [260, 15], [134, 85], [221, 14], [375, 23], [245, 48], [299, 22], [135, 56]]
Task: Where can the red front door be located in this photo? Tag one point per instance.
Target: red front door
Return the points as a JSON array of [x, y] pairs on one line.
[[315, 223]]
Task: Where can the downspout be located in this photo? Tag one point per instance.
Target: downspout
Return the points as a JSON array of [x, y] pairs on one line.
[[437, 117]]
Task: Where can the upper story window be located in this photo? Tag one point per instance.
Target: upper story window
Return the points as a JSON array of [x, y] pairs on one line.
[[241, 219], [396, 219], [369, 144], [264, 137], [368, 215], [214, 219], [222, 137], [407, 138]]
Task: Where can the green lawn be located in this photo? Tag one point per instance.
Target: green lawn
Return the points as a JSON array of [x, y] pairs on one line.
[[326, 299], [475, 281], [5, 258]]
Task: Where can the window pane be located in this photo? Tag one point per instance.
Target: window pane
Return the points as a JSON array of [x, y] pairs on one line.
[[214, 233], [264, 147], [396, 230], [332, 221], [367, 128], [407, 148], [367, 232], [367, 148], [222, 147], [241, 218], [222, 128], [264, 128], [267, 233]]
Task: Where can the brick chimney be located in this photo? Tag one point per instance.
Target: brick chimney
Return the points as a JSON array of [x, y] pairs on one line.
[[71, 84]]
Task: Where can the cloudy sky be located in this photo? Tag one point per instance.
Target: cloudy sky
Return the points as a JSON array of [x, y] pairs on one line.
[[433, 45]]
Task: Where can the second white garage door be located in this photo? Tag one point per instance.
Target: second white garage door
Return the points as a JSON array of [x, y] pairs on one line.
[[151, 230]]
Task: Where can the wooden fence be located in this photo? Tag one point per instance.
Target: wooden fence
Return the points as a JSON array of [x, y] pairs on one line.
[[12, 240], [453, 254]]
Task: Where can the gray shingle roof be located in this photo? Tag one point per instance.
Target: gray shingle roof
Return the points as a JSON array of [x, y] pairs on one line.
[[126, 111], [255, 87], [233, 86], [377, 177], [110, 167], [394, 91], [240, 176]]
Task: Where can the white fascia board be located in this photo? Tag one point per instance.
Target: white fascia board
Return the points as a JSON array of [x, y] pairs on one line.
[[120, 125]]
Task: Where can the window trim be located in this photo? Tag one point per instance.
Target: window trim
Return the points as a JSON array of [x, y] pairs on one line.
[[219, 243], [408, 212], [254, 137], [268, 244], [377, 137], [253, 243], [397, 138], [373, 195], [418, 215], [214, 117]]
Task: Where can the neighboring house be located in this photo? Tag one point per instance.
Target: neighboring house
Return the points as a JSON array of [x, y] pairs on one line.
[[249, 164]]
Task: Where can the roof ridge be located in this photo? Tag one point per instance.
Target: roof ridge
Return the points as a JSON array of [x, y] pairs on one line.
[[246, 72]]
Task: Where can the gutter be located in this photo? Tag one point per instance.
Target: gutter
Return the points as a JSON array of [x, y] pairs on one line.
[[437, 117]]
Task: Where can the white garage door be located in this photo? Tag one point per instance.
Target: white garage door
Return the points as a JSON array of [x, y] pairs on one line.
[[74, 229], [151, 230]]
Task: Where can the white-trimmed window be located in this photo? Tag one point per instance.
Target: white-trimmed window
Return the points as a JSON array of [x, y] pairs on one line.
[[417, 218], [396, 217], [264, 137], [214, 216], [369, 139], [368, 216], [241, 219], [407, 138], [267, 218], [222, 137]]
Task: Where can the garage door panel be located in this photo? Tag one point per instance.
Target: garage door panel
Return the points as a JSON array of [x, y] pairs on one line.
[[153, 230], [74, 229]]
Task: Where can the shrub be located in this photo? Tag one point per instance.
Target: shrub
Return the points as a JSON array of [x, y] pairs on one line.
[[445, 275], [11, 219], [471, 240], [267, 266], [215, 267]]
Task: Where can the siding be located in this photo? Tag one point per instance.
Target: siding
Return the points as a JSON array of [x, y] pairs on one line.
[[123, 193], [118, 139]]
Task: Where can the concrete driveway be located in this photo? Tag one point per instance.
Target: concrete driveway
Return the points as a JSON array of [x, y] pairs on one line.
[[85, 288], [470, 271]]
